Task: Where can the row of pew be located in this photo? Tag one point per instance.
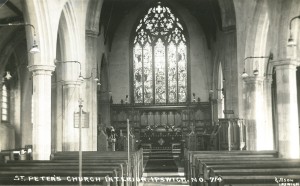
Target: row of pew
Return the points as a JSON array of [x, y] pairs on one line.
[[232, 168], [98, 168]]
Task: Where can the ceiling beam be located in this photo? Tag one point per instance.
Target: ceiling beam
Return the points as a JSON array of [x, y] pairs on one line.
[[13, 8]]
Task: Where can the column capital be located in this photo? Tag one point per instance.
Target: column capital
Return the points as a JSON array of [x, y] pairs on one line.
[[253, 79], [269, 80], [286, 63], [71, 83], [91, 33], [65, 83], [41, 69]]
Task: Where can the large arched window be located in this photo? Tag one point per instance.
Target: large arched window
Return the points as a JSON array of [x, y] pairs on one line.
[[159, 58]]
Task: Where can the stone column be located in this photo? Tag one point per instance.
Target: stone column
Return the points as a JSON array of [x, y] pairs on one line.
[[41, 134], [54, 129], [257, 130], [287, 108], [90, 105], [268, 116], [58, 115], [70, 106]]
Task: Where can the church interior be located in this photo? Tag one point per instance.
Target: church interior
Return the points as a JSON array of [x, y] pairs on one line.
[[150, 92]]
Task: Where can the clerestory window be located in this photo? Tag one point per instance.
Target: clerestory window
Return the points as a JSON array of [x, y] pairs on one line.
[[159, 58]]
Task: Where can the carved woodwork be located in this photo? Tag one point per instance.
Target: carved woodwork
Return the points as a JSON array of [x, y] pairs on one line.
[[165, 120], [232, 135]]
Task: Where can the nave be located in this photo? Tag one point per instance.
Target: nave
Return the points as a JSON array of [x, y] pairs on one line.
[[209, 168], [164, 167], [202, 90]]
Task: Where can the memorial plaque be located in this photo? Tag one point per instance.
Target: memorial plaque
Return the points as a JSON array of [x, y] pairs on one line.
[[84, 119]]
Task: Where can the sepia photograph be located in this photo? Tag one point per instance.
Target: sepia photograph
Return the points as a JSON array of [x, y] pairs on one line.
[[150, 92]]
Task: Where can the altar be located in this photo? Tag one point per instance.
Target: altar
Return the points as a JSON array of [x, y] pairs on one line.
[[161, 139]]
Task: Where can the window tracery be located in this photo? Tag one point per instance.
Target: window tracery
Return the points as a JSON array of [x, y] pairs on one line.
[[159, 58]]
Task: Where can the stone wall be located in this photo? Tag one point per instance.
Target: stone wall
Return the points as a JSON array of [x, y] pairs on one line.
[[199, 56], [7, 134]]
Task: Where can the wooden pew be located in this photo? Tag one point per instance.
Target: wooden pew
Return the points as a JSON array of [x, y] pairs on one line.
[[117, 168], [258, 170], [65, 162], [256, 179], [251, 163], [68, 156], [136, 167], [252, 175], [205, 165], [202, 165], [46, 168], [193, 155], [240, 168], [93, 165], [12, 177]]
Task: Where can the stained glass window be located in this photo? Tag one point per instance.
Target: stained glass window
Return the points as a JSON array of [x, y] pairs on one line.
[[4, 103], [159, 58]]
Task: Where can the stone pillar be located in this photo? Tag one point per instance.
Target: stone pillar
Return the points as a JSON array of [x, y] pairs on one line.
[[41, 134], [257, 129], [54, 129], [287, 108], [268, 116], [92, 65], [58, 116], [70, 106]]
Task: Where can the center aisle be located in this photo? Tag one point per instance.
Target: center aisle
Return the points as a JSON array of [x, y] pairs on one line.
[[163, 168]]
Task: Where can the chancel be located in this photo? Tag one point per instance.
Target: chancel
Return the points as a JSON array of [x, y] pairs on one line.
[[149, 92]]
